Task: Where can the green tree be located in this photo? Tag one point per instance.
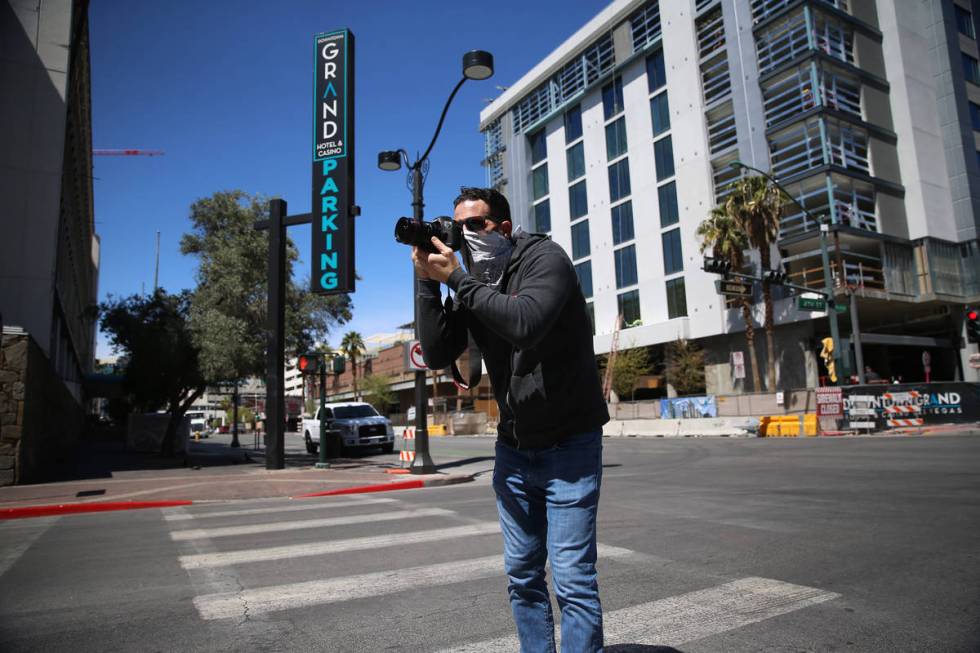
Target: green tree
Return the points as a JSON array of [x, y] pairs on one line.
[[377, 391], [627, 368], [685, 367], [228, 310], [722, 233], [162, 368], [353, 346], [757, 205]]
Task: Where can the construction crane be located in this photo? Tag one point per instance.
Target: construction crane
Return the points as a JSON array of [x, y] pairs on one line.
[[607, 381], [126, 152]]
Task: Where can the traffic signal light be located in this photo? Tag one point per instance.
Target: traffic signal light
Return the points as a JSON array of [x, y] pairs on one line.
[[339, 364], [717, 265], [775, 276], [972, 317], [308, 363], [827, 354]]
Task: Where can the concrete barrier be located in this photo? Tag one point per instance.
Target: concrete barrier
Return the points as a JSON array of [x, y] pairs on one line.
[[744, 427]]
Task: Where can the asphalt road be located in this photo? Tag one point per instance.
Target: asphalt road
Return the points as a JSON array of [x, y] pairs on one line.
[[708, 545]]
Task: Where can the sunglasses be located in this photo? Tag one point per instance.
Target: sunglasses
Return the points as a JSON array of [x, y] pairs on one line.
[[475, 224]]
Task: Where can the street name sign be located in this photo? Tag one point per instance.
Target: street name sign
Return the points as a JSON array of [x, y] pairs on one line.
[[332, 209], [733, 288], [817, 304]]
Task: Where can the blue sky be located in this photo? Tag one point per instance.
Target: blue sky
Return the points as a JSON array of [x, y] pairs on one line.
[[224, 89]]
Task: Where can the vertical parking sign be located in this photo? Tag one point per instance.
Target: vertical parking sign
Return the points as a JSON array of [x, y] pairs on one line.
[[333, 163]]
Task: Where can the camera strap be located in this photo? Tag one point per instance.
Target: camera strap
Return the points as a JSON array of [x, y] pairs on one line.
[[475, 367], [473, 355]]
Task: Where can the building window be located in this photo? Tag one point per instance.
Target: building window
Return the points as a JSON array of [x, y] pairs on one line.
[[578, 201], [584, 273], [622, 222], [612, 98], [539, 148], [663, 156], [660, 113], [575, 158], [656, 75], [668, 204], [619, 180], [673, 259], [964, 22], [573, 124], [676, 298], [542, 217], [580, 240], [971, 69], [625, 266], [615, 139], [629, 307], [975, 115], [539, 177]]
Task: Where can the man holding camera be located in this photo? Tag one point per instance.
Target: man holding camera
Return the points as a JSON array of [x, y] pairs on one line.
[[520, 301]]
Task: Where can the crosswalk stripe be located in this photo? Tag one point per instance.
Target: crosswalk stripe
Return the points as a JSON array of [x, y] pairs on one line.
[[224, 559], [311, 505], [228, 605], [275, 527], [688, 617]]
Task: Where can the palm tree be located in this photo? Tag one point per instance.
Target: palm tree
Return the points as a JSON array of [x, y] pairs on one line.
[[722, 233], [757, 205], [353, 346]]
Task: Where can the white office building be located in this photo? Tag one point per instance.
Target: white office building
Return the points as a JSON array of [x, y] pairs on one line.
[[620, 142]]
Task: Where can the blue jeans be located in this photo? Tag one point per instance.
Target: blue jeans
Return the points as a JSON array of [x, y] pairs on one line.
[[547, 500]]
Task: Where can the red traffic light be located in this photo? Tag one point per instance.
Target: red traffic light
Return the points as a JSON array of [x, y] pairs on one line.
[[308, 363], [972, 316]]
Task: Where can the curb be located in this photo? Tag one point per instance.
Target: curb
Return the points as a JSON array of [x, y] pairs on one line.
[[25, 512], [413, 484]]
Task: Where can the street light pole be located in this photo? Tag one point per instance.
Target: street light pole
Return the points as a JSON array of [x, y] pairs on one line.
[[477, 65], [824, 257]]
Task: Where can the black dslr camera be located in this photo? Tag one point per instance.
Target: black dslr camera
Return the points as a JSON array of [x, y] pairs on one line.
[[410, 232]]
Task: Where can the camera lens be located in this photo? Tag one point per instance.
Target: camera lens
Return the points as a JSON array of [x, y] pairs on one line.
[[407, 231]]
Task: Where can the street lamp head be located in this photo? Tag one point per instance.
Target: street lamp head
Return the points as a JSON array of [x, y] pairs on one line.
[[390, 160], [477, 65]]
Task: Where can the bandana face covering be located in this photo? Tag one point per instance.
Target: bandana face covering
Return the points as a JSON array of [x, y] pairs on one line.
[[487, 254]]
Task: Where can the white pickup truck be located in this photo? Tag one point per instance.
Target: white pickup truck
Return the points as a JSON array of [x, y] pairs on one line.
[[358, 423]]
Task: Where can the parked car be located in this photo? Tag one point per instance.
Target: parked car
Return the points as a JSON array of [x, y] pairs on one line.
[[358, 424]]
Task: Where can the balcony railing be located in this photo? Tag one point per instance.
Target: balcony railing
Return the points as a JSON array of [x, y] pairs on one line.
[[723, 175], [794, 93], [721, 129], [711, 33], [762, 9], [816, 143], [859, 273], [791, 36], [716, 81], [853, 205]]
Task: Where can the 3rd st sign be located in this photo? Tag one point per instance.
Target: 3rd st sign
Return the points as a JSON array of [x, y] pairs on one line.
[[333, 164]]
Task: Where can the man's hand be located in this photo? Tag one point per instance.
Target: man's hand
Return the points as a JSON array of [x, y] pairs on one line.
[[435, 266]]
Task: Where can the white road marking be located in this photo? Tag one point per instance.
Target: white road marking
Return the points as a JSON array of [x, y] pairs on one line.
[[17, 536], [204, 560], [227, 605], [306, 505], [688, 617], [276, 527]]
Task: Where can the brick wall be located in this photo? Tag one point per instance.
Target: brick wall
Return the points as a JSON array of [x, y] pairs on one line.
[[40, 421]]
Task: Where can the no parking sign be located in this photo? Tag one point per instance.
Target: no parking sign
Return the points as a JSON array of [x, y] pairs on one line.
[[414, 356]]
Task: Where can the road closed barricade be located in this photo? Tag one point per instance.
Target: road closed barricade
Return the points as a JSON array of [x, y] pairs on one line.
[[788, 426]]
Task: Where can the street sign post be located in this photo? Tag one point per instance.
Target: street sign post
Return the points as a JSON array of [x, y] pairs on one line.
[[733, 288], [817, 304]]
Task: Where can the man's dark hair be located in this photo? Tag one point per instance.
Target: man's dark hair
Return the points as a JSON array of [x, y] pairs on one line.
[[499, 206]]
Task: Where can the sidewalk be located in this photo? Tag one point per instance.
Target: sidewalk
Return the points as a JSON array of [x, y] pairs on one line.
[[212, 471]]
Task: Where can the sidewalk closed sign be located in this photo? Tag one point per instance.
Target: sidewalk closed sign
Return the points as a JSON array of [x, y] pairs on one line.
[[830, 402]]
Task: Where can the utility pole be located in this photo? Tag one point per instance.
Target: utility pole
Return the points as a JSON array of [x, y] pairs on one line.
[[156, 269]]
